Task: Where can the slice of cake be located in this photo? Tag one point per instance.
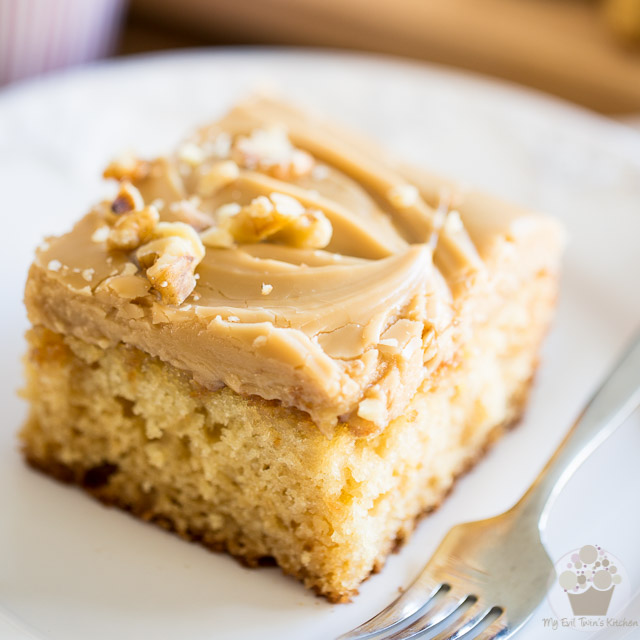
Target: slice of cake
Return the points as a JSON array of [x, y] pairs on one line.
[[282, 344]]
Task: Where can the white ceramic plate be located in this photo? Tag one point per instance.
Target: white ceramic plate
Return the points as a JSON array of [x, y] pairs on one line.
[[71, 569]]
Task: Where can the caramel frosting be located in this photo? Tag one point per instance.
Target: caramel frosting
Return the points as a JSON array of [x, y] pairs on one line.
[[278, 255]]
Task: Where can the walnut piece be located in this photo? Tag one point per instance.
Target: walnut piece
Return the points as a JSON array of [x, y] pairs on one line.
[[191, 154], [311, 230], [217, 177], [132, 229], [257, 221], [172, 277], [170, 260], [270, 151], [187, 211], [183, 231], [217, 237], [127, 167], [278, 218], [128, 199]]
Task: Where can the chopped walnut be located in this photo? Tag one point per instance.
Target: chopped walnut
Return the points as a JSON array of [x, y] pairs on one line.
[[128, 199], [132, 229], [170, 260], [286, 205], [127, 167], [183, 231], [216, 177], [187, 211], [256, 221], [311, 230], [191, 154], [217, 237], [172, 276], [279, 218], [270, 150]]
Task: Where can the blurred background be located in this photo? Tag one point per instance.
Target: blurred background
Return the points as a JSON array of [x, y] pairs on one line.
[[585, 51]]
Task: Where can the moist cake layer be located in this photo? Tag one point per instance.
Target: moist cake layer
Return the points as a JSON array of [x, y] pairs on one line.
[[331, 279]]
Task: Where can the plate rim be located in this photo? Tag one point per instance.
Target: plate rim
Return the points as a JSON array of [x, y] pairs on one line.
[[520, 93]]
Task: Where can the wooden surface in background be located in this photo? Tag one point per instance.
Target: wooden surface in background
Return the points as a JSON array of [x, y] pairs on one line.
[[559, 46]]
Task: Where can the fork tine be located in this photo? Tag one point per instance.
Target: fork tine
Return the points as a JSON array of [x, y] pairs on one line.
[[466, 624], [445, 607], [419, 595], [497, 629]]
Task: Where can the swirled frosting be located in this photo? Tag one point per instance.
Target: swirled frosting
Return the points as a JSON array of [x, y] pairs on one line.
[[346, 333]]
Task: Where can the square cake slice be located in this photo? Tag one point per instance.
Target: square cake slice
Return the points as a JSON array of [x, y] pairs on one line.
[[282, 344]]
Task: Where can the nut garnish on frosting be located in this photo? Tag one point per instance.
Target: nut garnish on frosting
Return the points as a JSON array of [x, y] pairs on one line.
[[169, 252], [127, 167], [128, 199], [324, 278], [278, 218], [270, 150], [131, 229], [217, 176], [170, 260]]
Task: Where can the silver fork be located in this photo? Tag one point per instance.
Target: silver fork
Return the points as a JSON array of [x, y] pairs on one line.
[[487, 577]]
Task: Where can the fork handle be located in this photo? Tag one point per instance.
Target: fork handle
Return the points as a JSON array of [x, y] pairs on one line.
[[609, 407]]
